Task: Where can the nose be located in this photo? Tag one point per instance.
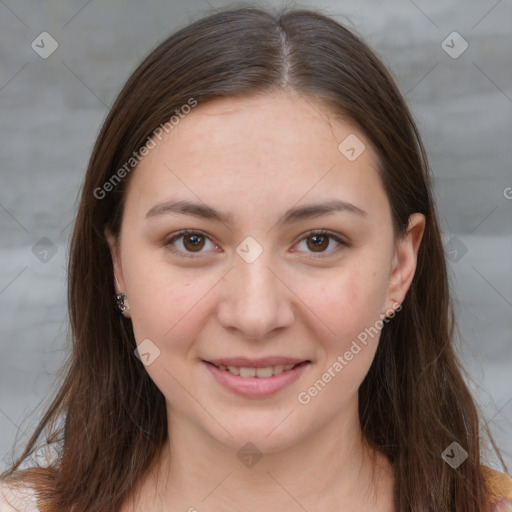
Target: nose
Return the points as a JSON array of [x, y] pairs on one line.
[[255, 300]]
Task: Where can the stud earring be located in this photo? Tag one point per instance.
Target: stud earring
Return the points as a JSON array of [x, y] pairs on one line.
[[395, 304], [122, 302]]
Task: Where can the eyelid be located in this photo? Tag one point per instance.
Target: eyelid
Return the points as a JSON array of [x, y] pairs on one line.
[[340, 239], [314, 232], [175, 236]]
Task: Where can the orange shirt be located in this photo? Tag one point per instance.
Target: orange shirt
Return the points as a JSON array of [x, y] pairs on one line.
[[500, 486]]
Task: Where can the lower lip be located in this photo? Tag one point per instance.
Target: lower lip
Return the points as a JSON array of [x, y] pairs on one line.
[[255, 387]]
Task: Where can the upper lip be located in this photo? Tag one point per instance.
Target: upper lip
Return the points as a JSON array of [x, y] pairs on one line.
[[264, 362]]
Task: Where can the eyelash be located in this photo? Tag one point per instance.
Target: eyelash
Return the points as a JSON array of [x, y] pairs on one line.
[[321, 232]]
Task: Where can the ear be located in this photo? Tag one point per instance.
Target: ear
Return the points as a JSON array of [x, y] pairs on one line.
[[405, 258], [119, 285]]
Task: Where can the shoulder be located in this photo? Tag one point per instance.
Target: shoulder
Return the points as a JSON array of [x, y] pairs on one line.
[[17, 498], [500, 490]]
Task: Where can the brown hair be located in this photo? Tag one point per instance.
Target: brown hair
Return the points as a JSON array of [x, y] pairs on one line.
[[413, 402]]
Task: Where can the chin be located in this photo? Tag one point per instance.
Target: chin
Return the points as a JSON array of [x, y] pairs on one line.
[[266, 437]]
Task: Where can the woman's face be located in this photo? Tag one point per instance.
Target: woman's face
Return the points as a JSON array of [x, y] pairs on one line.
[[253, 285]]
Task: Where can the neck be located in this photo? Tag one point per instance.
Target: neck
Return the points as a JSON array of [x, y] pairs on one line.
[[332, 468]]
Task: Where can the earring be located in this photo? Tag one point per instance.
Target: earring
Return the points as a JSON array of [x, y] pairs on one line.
[[122, 302], [395, 306], [393, 309]]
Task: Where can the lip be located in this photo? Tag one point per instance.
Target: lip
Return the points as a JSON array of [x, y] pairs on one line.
[[263, 362], [256, 387]]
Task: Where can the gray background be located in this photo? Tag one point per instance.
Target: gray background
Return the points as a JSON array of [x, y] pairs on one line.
[[51, 111]]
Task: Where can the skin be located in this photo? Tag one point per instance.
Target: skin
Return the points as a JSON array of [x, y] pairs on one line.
[[255, 158]]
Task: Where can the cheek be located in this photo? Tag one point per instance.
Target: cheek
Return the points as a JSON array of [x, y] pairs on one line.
[[350, 301], [169, 304], [350, 305]]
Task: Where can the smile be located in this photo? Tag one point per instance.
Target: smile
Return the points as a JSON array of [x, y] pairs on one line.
[[256, 382], [260, 373]]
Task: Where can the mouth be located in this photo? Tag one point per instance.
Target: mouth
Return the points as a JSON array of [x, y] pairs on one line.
[[259, 372], [256, 379]]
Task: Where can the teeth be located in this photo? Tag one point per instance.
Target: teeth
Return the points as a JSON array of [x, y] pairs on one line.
[[247, 372], [261, 373], [264, 372], [234, 370]]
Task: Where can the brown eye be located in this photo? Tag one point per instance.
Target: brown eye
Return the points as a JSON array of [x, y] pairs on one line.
[[189, 244], [320, 242], [193, 242]]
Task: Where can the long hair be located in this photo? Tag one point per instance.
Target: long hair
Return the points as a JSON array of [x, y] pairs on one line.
[[413, 402]]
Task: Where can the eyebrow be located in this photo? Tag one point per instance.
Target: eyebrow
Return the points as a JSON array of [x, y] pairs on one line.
[[292, 215]]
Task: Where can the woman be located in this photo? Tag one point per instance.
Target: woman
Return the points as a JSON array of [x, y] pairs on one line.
[[259, 204]]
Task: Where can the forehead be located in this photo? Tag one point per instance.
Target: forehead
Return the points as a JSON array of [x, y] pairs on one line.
[[249, 151]]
